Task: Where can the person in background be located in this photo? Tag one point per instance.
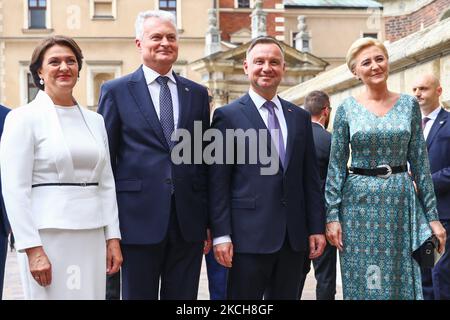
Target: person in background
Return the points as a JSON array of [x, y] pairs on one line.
[[217, 274], [374, 216], [58, 185], [317, 103], [436, 130], [5, 229]]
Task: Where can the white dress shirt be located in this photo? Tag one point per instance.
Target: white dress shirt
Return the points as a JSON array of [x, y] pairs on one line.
[[154, 88], [259, 102], [432, 116]]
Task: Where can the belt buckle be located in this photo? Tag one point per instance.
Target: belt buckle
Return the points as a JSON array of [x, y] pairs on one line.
[[389, 171], [83, 184]]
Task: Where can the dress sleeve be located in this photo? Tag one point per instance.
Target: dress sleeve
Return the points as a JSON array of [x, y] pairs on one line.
[[337, 167], [420, 166], [108, 194]]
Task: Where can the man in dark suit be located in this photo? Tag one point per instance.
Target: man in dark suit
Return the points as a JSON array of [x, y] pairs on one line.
[[436, 129], [162, 206], [4, 224], [317, 103], [264, 222]]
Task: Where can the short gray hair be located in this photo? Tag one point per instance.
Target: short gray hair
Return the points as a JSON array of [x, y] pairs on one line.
[[160, 14]]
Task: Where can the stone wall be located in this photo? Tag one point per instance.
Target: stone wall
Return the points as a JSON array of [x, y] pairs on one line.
[[399, 26], [426, 51]]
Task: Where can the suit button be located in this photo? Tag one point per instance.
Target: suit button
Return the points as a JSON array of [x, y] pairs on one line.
[[168, 181], [283, 202]]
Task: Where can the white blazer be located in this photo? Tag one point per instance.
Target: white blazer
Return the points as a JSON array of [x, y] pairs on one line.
[[32, 151]]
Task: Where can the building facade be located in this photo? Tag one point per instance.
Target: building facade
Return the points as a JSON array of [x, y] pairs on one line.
[[104, 29]]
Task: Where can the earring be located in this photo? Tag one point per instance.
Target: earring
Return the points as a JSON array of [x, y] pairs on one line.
[[41, 82]]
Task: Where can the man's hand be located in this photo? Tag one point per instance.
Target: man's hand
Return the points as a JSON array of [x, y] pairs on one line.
[[113, 256], [207, 243], [40, 266], [317, 243], [334, 235], [224, 254]]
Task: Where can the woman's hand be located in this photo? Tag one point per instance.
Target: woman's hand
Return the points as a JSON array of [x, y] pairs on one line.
[[334, 234], [113, 256], [40, 266], [440, 233]]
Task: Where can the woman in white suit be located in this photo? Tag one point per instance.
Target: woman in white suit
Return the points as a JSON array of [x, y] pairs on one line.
[[58, 184]]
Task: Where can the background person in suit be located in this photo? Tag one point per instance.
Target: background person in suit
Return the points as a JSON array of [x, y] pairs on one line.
[[436, 129], [217, 274], [317, 103], [264, 225], [162, 206], [58, 184], [4, 224]]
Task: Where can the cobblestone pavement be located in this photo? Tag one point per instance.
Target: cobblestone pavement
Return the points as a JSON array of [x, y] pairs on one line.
[[13, 290]]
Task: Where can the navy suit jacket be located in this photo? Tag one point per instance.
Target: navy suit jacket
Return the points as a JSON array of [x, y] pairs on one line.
[[438, 144], [258, 210], [142, 165], [322, 142], [4, 224]]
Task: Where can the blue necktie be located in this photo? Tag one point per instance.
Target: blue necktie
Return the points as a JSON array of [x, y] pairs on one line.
[[166, 110], [274, 124]]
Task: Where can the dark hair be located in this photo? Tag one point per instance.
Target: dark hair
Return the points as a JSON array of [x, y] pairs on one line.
[[316, 101], [264, 39], [41, 49]]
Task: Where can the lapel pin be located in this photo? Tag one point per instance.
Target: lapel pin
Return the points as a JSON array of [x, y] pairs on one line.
[[441, 122], [290, 110], [187, 89]]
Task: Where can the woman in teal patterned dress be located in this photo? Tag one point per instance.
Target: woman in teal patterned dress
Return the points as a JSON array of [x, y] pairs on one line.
[[377, 222]]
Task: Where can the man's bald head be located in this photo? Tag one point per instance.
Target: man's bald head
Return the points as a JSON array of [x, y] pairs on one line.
[[427, 89]]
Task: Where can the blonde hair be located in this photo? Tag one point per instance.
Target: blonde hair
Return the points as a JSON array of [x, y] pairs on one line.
[[359, 45]]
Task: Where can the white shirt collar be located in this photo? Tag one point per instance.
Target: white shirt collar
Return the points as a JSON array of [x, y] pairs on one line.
[[259, 101], [433, 115], [151, 75]]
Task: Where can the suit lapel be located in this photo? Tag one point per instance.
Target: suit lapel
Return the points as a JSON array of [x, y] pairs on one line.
[[61, 153], [184, 101], [437, 125], [252, 113], [98, 137], [139, 90], [290, 123]]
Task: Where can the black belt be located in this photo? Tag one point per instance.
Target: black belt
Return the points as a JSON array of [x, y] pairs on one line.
[[382, 171], [83, 184]]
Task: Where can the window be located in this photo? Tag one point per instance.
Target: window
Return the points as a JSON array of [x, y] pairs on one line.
[[36, 14], [98, 72], [243, 4], [32, 90], [169, 5], [370, 35], [103, 9]]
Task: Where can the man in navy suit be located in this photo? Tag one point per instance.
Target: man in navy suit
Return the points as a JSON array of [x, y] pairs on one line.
[[4, 225], [264, 222], [436, 129], [317, 103], [162, 206]]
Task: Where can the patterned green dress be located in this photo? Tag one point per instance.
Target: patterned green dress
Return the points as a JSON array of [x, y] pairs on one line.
[[383, 220]]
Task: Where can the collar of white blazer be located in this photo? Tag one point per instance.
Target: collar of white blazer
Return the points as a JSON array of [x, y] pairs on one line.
[[62, 155]]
